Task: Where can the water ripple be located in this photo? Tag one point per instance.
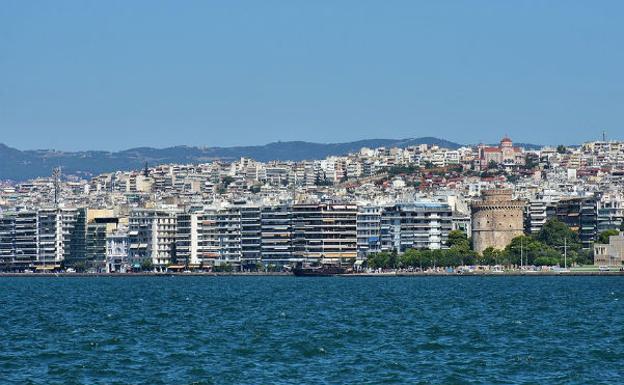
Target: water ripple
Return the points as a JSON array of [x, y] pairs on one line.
[[285, 330]]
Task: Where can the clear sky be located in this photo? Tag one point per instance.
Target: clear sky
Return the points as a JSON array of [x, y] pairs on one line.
[[118, 74]]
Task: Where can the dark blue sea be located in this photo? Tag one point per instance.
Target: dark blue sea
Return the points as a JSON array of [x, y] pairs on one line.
[[288, 330]]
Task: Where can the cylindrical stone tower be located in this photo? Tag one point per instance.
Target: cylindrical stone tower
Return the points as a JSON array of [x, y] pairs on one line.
[[496, 220]]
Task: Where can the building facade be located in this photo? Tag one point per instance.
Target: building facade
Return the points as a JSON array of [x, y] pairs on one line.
[[611, 254], [496, 220]]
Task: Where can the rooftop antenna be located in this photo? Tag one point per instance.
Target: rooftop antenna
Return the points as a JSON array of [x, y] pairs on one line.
[[604, 136], [56, 176], [146, 170]]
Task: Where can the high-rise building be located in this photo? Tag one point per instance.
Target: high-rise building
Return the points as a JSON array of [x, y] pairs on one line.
[[26, 241], [419, 225], [99, 229], [276, 234], [325, 232], [610, 214], [43, 239], [7, 243], [250, 234], [368, 230], [580, 215], [187, 241], [152, 237], [219, 236]]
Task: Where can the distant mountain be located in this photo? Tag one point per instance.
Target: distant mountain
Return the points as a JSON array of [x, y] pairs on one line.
[[21, 165], [528, 146]]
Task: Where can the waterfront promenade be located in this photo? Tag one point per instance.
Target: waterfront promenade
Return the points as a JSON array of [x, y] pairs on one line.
[[528, 273]]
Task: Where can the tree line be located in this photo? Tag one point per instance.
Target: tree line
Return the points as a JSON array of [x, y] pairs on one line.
[[546, 248]]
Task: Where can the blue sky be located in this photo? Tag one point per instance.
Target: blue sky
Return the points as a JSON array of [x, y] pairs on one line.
[[118, 74]]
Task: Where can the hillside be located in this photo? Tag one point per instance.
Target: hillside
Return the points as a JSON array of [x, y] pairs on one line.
[[20, 165]]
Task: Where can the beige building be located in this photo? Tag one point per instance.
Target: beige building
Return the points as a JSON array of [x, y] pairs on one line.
[[496, 220], [505, 153], [611, 254]]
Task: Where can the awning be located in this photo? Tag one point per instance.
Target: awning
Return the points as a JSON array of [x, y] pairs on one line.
[[46, 267]]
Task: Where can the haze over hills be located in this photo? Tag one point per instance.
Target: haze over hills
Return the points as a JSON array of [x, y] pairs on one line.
[[20, 165]]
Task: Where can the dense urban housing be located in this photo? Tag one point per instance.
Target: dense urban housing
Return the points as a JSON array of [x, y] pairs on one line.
[[340, 210]]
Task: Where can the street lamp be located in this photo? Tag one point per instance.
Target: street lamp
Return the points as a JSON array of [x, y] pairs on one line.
[[565, 252], [521, 251]]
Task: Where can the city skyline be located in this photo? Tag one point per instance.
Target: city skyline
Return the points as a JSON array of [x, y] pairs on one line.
[[311, 192], [342, 209], [112, 76]]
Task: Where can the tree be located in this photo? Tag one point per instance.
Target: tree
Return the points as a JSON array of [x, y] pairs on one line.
[[534, 252], [378, 260], [469, 258], [227, 180], [411, 258], [459, 240], [393, 260], [225, 268], [546, 261], [383, 260], [529, 249], [604, 236], [147, 265], [557, 234], [80, 266], [426, 258], [520, 247], [491, 256], [451, 257], [531, 161], [585, 257], [561, 149], [492, 165], [397, 170]]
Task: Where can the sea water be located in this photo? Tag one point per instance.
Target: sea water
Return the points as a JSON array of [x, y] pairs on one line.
[[289, 330]]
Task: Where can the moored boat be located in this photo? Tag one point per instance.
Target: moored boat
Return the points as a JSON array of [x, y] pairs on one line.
[[318, 271]]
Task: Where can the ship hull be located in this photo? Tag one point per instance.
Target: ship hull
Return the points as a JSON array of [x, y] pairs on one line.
[[318, 272]]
